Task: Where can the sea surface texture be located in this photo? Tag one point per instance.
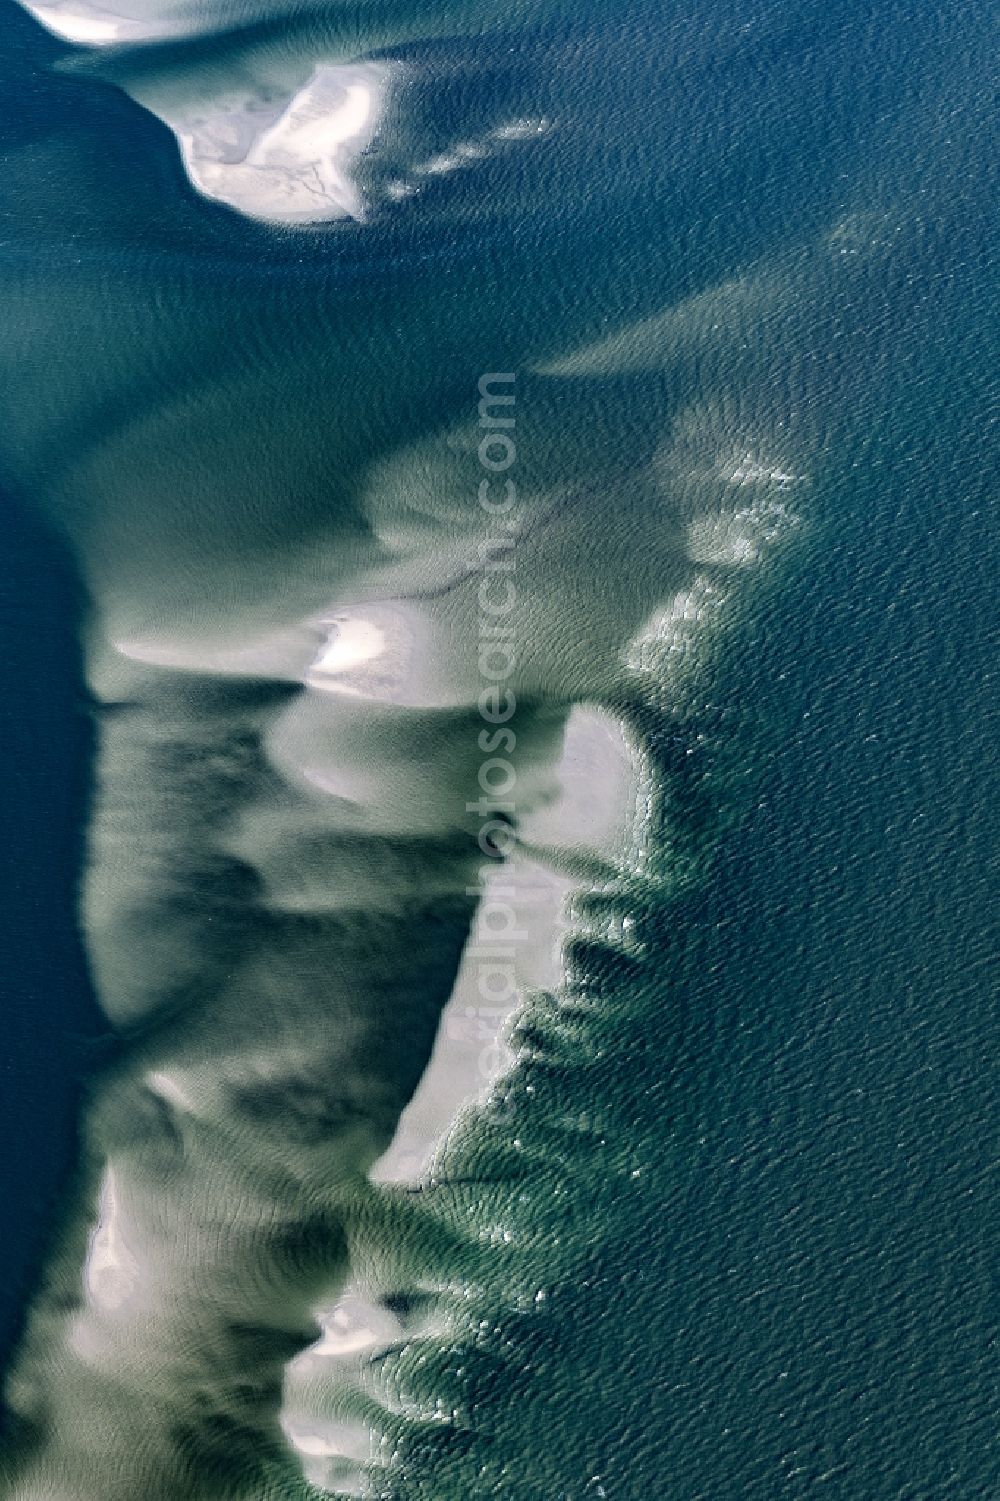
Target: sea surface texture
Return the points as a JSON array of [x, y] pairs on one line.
[[500, 749]]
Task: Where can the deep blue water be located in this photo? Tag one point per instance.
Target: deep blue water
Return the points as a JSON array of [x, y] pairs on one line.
[[51, 1024]]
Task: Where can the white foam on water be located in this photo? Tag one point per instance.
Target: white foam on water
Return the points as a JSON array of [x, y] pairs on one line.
[[751, 470], [673, 633], [521, 130], [438, 165], [737, 538], [464, 154]]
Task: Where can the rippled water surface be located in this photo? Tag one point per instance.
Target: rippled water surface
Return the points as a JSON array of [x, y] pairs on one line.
[[501, 602]]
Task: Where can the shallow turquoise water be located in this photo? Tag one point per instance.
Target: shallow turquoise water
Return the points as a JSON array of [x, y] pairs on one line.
[[725, 1230]]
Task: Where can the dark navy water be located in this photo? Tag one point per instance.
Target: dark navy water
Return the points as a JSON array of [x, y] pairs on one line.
[[51, 1024], [753, 1171]]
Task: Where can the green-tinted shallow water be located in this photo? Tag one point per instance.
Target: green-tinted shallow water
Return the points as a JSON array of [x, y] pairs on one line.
[[724, 1230]]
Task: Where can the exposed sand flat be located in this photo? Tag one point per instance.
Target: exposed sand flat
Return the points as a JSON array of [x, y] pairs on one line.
[[101, 25], [280, 150], [367, 652], [111, 1269], [293, 168], [471, 1052]]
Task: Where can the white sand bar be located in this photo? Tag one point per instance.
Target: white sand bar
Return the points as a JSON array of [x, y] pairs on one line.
[[277, 144], [103, 25], [291, 166]]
